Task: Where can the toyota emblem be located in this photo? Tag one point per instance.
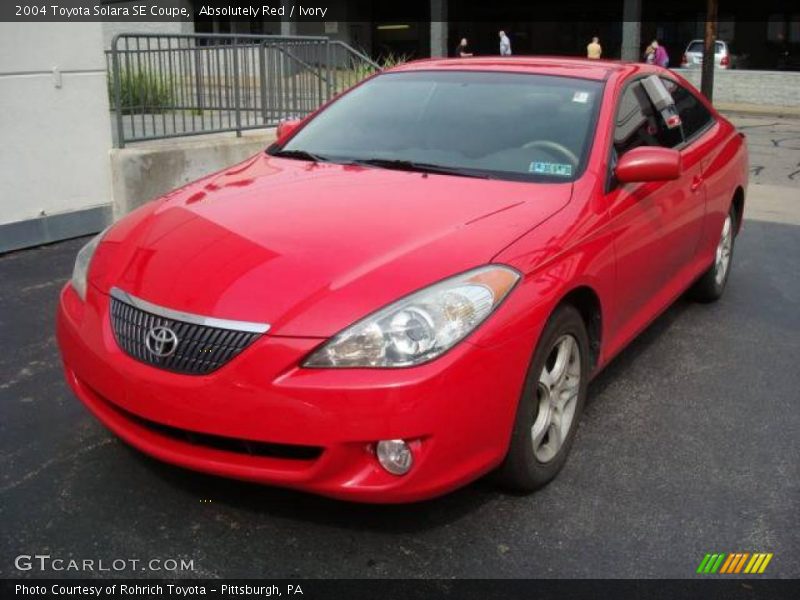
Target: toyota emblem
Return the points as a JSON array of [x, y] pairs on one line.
[[161, 341]]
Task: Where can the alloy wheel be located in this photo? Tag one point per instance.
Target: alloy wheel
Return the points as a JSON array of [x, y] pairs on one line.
[[557, 396], [724, 247]]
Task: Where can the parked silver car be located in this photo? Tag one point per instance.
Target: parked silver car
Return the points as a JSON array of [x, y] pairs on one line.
[[724, 57]]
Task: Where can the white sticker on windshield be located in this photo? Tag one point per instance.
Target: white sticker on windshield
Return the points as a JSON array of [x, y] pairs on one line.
[[582, 97], [548, 168]]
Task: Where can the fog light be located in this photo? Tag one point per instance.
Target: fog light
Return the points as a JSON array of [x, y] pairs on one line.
[[395, 456]]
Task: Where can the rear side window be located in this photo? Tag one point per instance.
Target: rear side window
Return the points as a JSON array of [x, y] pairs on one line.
[[639, 124], [695, 118]]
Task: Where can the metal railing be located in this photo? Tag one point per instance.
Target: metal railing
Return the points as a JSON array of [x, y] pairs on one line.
[[164, 86]]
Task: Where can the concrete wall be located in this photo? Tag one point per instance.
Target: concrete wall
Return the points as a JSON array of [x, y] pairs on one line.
[[146, 171], [770, 88], [54, 119]]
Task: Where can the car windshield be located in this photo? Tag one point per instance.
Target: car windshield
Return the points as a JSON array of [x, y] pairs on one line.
[[483, 124]]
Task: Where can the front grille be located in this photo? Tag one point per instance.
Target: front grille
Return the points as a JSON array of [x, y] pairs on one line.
[[200, 349]]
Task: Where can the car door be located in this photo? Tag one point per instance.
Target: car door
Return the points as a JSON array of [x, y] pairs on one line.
[[704, 139], [656, 225]]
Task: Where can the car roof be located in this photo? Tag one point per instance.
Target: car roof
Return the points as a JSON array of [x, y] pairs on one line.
[[563, 66]]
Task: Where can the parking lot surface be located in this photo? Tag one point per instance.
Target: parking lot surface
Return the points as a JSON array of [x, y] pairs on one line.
[[774, 145], [690, 444]]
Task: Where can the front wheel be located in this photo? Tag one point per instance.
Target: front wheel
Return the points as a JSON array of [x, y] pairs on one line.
[[551, 404], [712, 283]]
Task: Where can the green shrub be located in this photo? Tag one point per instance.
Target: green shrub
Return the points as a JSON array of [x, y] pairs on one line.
[[142, 91], [359, 69], [392, 60]]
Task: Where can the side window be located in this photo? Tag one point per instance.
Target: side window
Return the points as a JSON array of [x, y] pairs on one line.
[[694, 116], [639, 124]]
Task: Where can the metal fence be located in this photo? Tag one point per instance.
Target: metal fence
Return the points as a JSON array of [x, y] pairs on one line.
[[163, 86]]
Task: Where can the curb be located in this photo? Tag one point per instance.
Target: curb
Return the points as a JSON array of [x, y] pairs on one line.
[[754, 110]]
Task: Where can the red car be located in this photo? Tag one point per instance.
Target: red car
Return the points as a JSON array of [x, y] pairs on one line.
[[413, 286]]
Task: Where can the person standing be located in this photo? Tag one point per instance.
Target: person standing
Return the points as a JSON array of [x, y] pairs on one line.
[[661, 58], [505, 44], [594, 50], [462, 50]]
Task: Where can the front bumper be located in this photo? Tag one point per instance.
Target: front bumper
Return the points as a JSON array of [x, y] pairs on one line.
[[456, 411]]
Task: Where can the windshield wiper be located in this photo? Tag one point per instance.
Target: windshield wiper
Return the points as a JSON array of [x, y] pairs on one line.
[[420, 167], [300, 155]]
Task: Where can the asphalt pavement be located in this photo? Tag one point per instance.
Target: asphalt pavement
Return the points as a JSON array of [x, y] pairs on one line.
[[690, 444], [774, 145]]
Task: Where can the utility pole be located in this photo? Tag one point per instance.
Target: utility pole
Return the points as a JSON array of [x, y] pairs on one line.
[[707, 77]]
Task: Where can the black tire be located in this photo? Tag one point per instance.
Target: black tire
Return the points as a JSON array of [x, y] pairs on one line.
[[709, 287], [521, 470]]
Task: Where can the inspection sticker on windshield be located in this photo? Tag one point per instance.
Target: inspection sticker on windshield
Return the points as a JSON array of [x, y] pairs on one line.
[[548, 168], [582, 97]]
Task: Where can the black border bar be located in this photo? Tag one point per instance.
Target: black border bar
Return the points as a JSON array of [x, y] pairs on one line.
[[409, 589], [457, 11]]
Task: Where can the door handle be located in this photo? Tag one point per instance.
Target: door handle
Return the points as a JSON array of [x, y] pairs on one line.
[[696, 183]]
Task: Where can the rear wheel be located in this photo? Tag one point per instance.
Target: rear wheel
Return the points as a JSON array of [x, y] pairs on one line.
[[551, 404], [711, 285]]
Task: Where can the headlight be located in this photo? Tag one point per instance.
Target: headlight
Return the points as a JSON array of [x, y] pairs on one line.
[[82, 262], [421, 326]]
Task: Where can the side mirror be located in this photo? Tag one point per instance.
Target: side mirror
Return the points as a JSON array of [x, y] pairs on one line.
[[648, 163], [286, 128]]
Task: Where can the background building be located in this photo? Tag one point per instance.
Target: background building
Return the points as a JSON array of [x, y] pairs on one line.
[[55, 180], [767, 33]]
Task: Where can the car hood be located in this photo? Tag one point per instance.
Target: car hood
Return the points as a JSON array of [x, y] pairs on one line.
[[310, 248]]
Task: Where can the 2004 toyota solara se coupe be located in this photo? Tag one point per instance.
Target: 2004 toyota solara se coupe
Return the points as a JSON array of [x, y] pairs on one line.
[[413, 286]]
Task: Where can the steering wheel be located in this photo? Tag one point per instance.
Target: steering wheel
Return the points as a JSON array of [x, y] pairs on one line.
[[554, 147]]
